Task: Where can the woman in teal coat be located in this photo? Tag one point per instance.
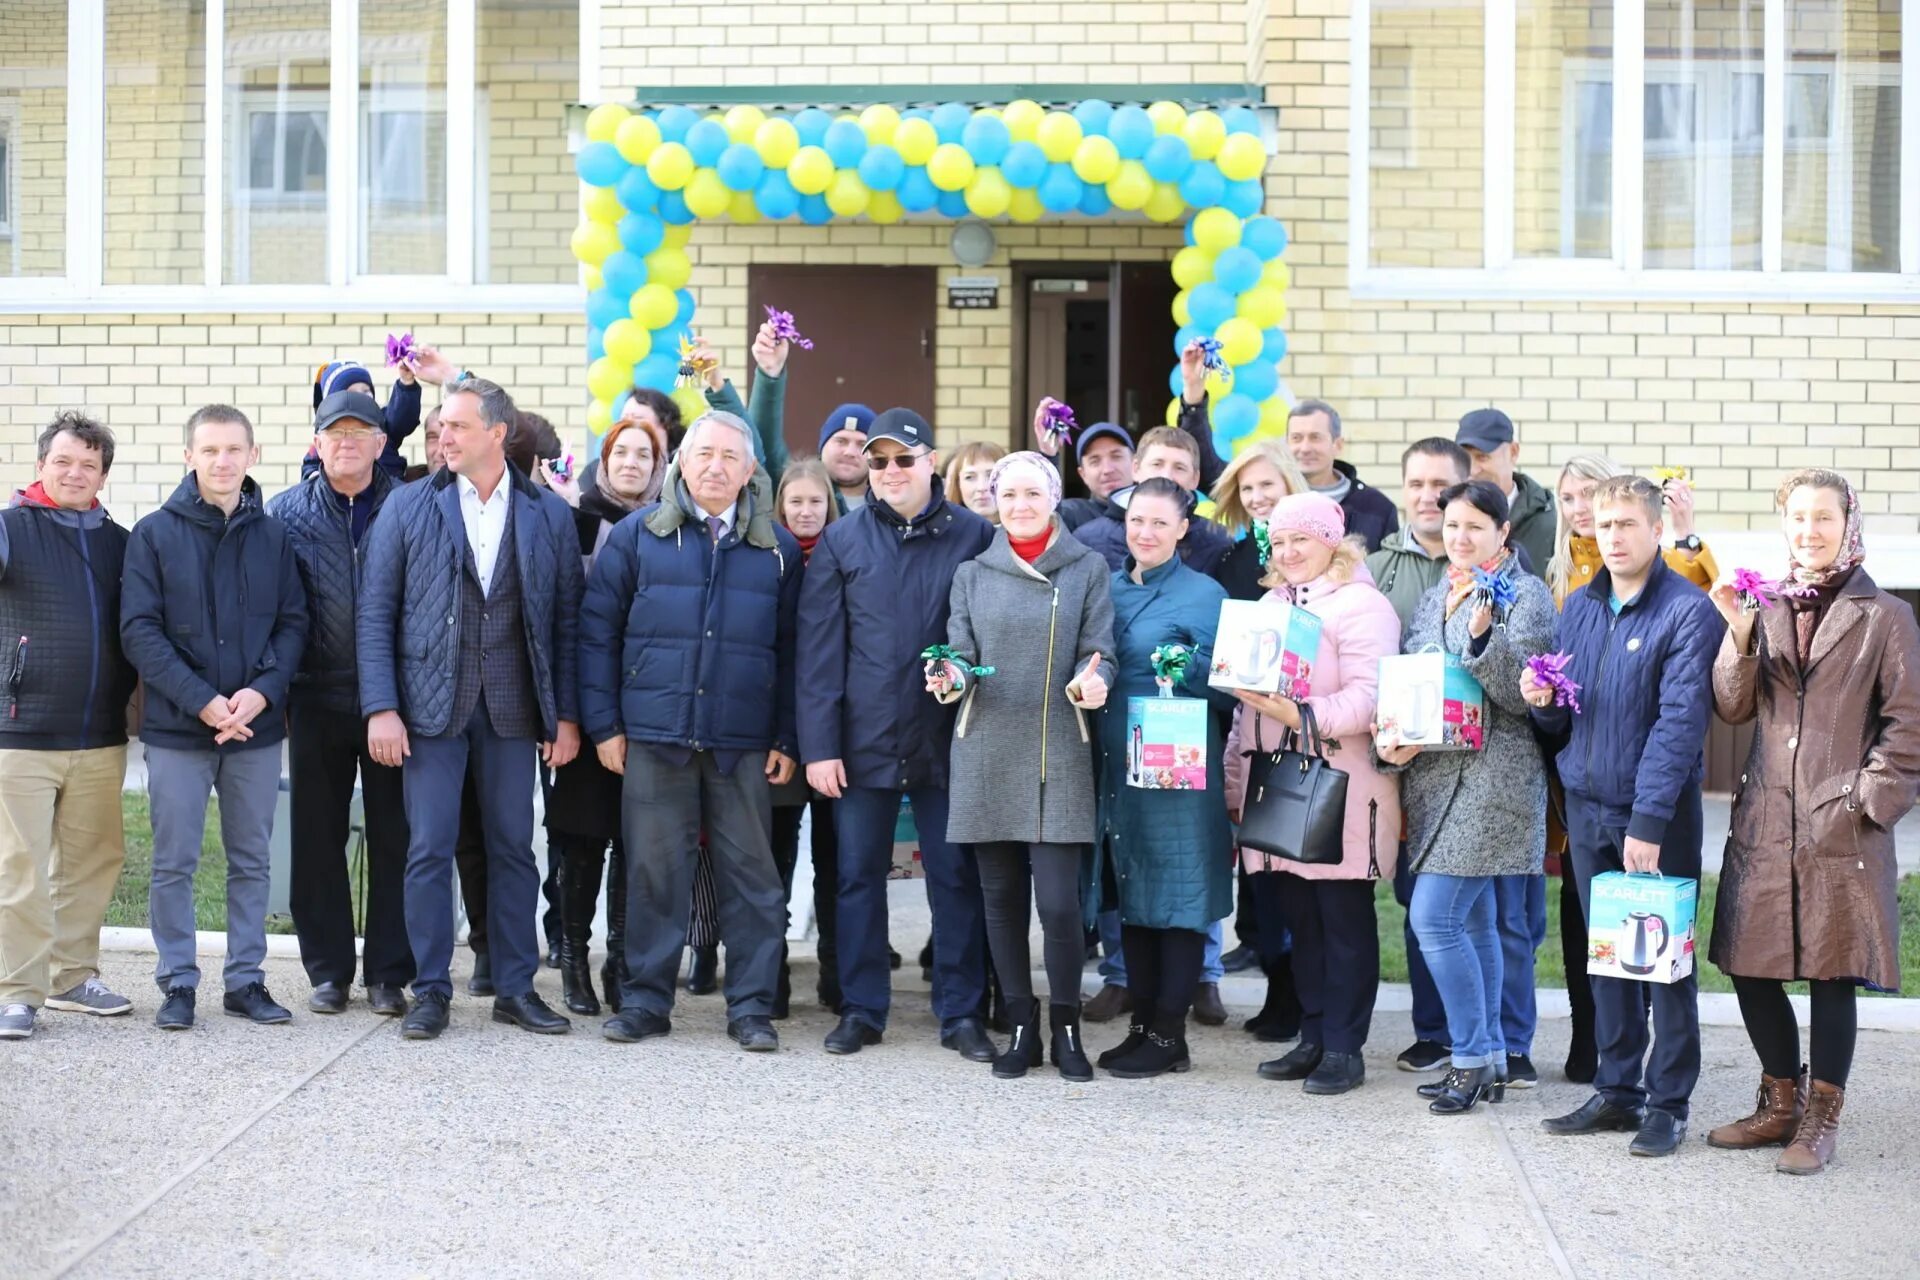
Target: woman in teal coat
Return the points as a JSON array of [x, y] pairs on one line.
[[1166, 854]]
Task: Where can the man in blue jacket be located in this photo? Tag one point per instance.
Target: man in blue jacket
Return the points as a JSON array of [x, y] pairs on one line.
[[686, 686], [1643, 640], [876, 594], [467, 651], [213, 618]]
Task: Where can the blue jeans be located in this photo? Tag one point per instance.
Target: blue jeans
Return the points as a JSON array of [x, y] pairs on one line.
[[1429, 1016], [1113, 961], [1453, 916], [1520, 905]]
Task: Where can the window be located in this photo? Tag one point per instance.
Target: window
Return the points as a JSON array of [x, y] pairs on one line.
[[33, 124], [6, 177]]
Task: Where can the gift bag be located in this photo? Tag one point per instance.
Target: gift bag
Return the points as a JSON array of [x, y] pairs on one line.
[[1641, 926], [1268, 646], [1167, 744], [906, 846], [1430, 700]]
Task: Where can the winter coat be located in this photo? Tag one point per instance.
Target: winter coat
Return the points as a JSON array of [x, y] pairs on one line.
[[1583, 561], [1240, 570], [1807, 884], [1168, 852], [318, 524], [1202, 548], [1037, 625], [1404, 572], [684, 643], [878, 591], [1482, 813], [211, 605], [1357, 629], [409, 626], [1534, 519], [1646, 695]]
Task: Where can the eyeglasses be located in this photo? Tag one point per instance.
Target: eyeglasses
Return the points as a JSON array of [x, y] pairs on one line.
[[334, 433], [904, 461]]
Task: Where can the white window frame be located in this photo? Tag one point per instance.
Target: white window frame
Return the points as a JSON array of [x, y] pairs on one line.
[[1623, 276], [455, 287], [9, 166]]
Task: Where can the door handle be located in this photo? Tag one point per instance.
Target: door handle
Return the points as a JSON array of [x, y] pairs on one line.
[[926, 344]]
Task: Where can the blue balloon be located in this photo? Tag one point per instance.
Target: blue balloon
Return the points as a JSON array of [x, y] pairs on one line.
[[1094, 201], [1060, 191], [1132, 131], [953, 204], [1168, 158], [706, 140], [1237, 269], [1256, 380], [658, 370], [675, 121], [636, 189], [1024, 164], [1203, 187], [882, 168], [1177, 384], [1241, 120], [1236, 415], [950, 120], [845, 142], [673, 208], [1094, 116], [815, 211], [1245, 198], [1265, 237], [623, 273], [596, 343], [682, 310], [1187, 333], [812, 125], [917, 192], [600, 164], [775, 196], [740, 167], [1273, 347], [604, 306], [1223, 444], [917, 113], [986, 139], [641, 233], [1189, 232], [1210, 303]]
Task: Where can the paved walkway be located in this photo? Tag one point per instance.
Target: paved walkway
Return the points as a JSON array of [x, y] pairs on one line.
[[332, 1148]]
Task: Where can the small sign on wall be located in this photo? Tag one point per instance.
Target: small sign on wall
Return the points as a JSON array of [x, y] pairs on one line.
[[973, 293]]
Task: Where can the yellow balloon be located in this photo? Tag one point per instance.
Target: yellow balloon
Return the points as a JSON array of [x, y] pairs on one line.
[[1096, 160], [742, 209], [1130, 187], [707, 196], [608, 377], [670, 166], [1216, 230], [1166, 204], [1273, 415], [879, 121], [1191, 266], [1277, 275], [636, 140], [1059, 136], [677, 236], [915, 140], [692, 404], [628, 341], [1167, 117], [1264, 306], [1218, 384], [594, 242], [743, 122], [810, 171], [847, 195], [1239, 340], [1173, 412], [604, 121], [883, 207], [1022, 117], [599, 417], [1242, 156], [591, 277], [603, 205], [669, 267], [653, 305], [1204, 132], [988, 193], [1181, 315], [951, 168], [1025, 206], [776, 141]]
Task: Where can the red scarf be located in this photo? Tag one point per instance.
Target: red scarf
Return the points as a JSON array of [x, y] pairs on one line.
[[1029, 549], [806, 545]]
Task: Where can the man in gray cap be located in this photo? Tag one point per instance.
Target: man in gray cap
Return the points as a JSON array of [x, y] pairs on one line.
[[1487, 436]]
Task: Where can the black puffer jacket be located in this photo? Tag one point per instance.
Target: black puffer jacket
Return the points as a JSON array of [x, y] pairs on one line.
[[319, 525]]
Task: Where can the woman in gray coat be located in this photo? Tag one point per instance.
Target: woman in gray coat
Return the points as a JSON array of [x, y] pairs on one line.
[[1474, 815], [1031, 628]]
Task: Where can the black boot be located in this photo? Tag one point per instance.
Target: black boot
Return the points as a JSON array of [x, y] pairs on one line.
[[613, 972], [705, 979], [1163, 1050], [1279, 1018], [1069, 1055], [579, 893], [783, 993], [1136, 1036], [1462, 1089], [1024, 1051]]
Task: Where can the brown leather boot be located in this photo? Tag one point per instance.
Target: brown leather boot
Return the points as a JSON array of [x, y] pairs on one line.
[[1812, 1146], [1780, 1104]]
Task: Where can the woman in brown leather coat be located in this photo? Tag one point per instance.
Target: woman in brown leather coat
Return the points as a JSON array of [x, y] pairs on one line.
[[1830, 676]]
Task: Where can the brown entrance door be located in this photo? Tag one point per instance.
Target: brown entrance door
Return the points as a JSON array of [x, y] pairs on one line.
[[872, 330]]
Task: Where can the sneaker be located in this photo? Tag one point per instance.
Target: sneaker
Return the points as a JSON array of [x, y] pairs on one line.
[[16, 1022], [92, 996], [1520, 1072], [1424, 1055]]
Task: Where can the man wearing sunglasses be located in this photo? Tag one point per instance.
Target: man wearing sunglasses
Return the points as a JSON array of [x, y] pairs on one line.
[[874, 596]]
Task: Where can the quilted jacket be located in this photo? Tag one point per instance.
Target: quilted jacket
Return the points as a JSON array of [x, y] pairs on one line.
[[330, 569]]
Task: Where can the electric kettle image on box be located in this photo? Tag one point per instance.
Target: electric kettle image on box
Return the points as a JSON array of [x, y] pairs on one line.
[[1643, 938]]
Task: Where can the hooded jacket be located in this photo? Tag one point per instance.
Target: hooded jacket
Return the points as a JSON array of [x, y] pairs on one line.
[[319, 524]]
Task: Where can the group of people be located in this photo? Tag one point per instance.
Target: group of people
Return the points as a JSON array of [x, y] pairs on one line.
[[698, 640]]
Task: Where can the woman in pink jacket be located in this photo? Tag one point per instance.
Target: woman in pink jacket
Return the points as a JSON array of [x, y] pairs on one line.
[[1328, 907]]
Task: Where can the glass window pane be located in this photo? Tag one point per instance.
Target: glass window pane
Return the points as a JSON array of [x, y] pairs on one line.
[[526, 198], [1563, 130], [155, 196], [1843, 136], [276, 142], [1426, 104], [403, 140], [33, 138], [1703, 133]]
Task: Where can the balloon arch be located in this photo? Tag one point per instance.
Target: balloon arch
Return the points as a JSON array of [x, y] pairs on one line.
[[650, 174]]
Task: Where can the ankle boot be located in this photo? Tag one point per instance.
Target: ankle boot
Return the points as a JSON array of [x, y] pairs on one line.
[[579, 892], [1136, 1036], [1812, 1147], [1462, 1089], [705, 977], [1778, 1107], [1069, 1056], [1279, 1018], [1024, 1051], [614, 971], [1163, 1050]]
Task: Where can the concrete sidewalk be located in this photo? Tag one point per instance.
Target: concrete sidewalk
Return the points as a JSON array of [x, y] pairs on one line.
[[332, 1148]]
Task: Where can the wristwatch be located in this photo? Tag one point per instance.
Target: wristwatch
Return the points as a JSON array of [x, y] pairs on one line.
[[1689, 543]]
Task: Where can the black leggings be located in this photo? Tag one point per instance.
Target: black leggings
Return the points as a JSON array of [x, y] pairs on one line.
[[1163, 969], [1775, 1033], [1006, 869]]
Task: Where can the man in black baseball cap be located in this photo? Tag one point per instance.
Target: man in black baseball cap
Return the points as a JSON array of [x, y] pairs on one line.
[[1488, 437]]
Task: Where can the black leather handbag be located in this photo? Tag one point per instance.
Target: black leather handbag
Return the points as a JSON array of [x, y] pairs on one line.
[[1296, 804]]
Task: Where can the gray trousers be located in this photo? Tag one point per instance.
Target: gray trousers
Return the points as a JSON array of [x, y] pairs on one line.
[[664, 807], [178, 783]]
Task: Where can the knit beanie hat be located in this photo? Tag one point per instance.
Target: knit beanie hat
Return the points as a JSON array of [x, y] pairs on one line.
[[1316, 515], [338, 376], [856, 417]]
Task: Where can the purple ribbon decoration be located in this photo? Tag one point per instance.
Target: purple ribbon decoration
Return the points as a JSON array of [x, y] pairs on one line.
[[1549, 671], [783, 330], [1756, 591], [400, 349], [1057, 419]]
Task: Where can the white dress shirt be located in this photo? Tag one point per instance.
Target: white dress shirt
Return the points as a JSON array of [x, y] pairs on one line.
[[486, 525]]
